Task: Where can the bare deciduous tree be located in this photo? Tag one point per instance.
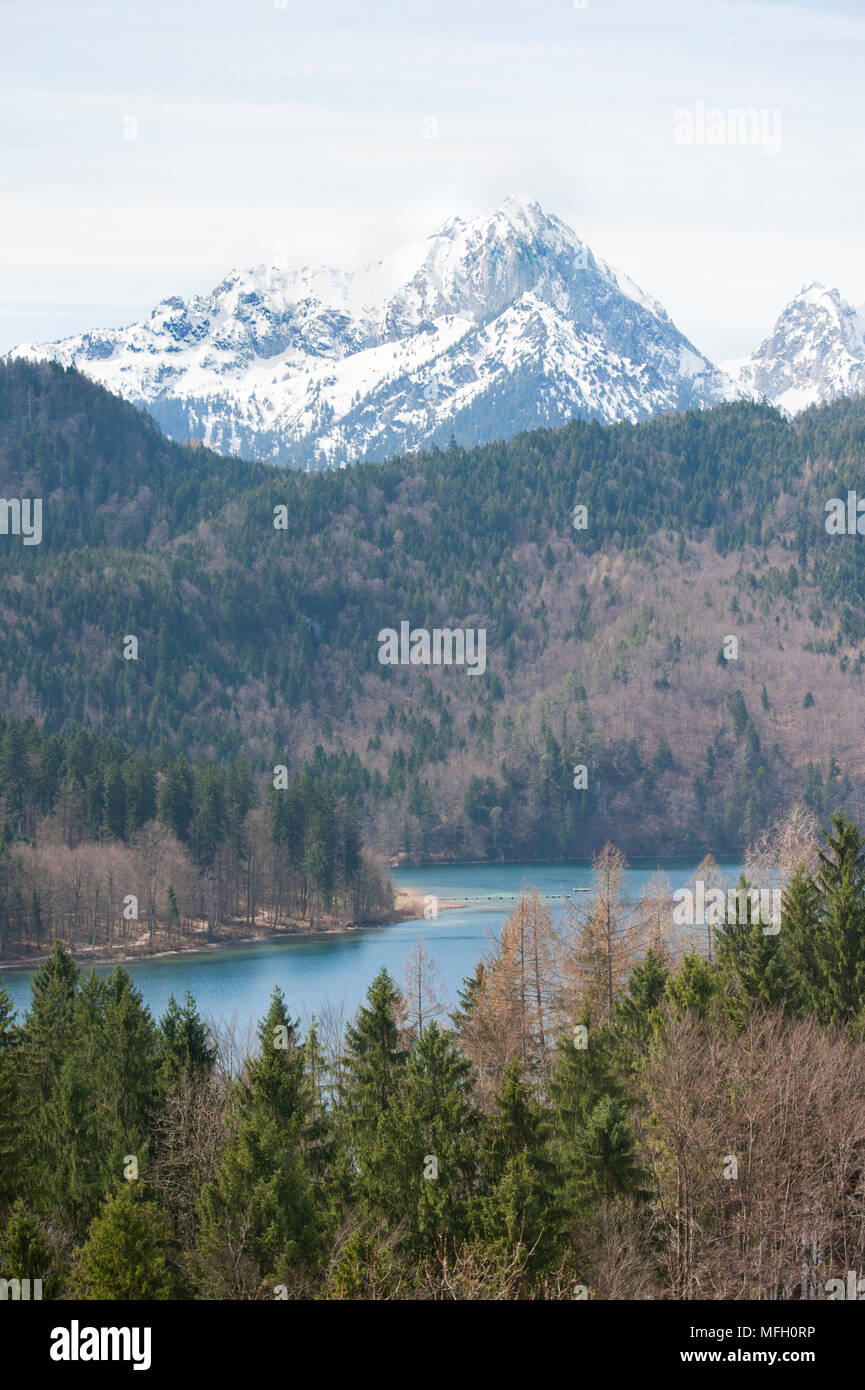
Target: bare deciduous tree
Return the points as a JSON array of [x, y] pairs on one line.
[[422, 989]]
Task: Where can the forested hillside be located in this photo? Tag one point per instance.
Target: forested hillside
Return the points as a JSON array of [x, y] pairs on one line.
[[256, 596], [112, 851]]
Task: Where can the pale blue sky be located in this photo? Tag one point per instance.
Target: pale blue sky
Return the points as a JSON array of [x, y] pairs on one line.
[[303, 127]]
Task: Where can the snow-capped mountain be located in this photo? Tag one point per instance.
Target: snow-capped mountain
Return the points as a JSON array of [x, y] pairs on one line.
[[488, 327], [816, 352]]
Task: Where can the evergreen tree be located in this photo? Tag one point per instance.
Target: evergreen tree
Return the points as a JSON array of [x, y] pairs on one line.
[[636, 1011], [115, 803], [258, 1217], [516, 1165], [374, 1059], [210, 815], [127, 1253], [753, 964], [126, 1061], [184, 1041], [827, 930], [418, 1169], [45, 1045], [10, 1118], [25, 1252], [140, 792], [593, 1141], [175, 798], [800, 913], [76, 1170], [693, 987]]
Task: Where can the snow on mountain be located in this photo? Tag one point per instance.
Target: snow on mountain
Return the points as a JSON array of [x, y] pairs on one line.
[[488, 327], [816, 352]]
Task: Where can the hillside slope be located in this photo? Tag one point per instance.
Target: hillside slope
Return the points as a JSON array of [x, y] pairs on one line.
[[604, 646]]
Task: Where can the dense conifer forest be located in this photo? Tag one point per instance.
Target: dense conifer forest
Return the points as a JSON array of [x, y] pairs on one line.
[[611, 1112], [114, 851], [255, 596]]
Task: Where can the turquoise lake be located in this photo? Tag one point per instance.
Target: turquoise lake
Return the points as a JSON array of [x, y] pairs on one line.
[[336, 969]]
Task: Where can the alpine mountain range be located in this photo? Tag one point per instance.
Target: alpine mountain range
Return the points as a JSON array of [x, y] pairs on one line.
[[490, 326]]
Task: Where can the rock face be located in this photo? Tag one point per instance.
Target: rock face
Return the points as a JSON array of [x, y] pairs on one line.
[[816, 351], [488, 327]]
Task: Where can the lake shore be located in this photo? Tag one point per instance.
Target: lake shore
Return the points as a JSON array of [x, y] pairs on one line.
[[332, 966], [409, 904]]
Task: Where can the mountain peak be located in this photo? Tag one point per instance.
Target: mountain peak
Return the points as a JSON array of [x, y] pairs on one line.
[[817, 295], [491, 325], [522, 212], [815, 352]]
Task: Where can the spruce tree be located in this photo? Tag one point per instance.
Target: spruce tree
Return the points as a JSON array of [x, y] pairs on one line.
[[45, 1047], [10, 1117], [753, 964], [419, 1169], [593, 1140], [115, 803], [127, 1063], [258, 1216], [184, 1042], [693, 987], [516, 1165], [374, 1059], [175, 798], [635, 1010], [828, 937], [25, 1252], [800, 910], [126, 1254]]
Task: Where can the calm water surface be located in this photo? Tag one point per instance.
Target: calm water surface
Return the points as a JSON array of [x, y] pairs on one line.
[[336, 969]]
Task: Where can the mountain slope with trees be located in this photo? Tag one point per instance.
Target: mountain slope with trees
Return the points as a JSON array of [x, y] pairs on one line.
[[256, 596]]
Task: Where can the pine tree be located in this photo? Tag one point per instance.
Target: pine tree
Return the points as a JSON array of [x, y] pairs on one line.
[[126, 1254], [258, 1217], [10, 1119], [516, 1165], [184, 1041], [419, 1167], [593, 1140], [828, 945], [24, 1250], [374, 1059], [753, 965]]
